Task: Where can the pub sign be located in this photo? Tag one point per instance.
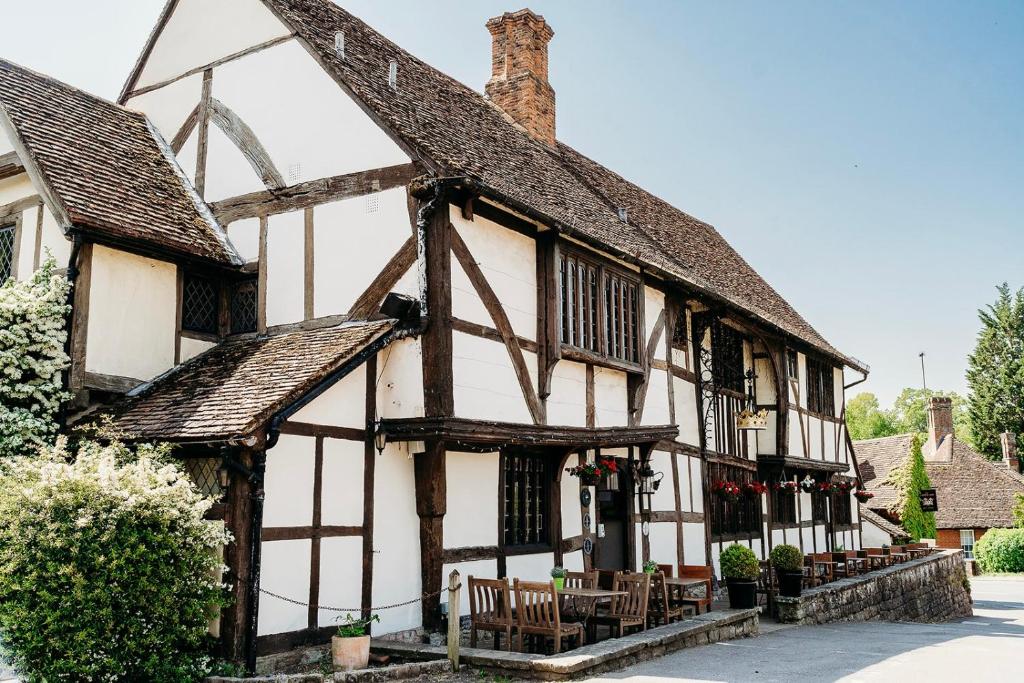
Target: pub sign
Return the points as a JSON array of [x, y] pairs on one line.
[[929, 501]]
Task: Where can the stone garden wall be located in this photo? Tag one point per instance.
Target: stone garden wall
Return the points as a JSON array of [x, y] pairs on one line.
[[930, 589]]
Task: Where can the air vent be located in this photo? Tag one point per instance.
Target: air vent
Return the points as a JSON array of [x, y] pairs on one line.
[[294, 173], [339, 44], [393, 74], [623, 214]]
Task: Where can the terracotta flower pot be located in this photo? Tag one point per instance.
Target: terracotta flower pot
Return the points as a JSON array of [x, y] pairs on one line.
[[348, 654]]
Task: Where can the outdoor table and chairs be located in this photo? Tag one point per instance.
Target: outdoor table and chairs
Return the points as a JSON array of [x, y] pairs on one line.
[[876, 557], [627, 611], [580, 603]]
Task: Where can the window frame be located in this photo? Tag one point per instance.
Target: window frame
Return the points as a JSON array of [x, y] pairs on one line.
[[215, 286], [782, 502], [12, 266], [234, 291], [548, 480], [968, 549], [793, 364], [842, 511], [820, 387], [731, 521], [819, 508], [609, 278]]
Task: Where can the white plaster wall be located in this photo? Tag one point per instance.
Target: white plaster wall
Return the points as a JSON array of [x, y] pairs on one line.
[[837, 390], [55, 242], [778, 537], [200, 32], [245, 236], [663, 543], [285, 268], [814, 434], [654, 304], [481, 569], [508, 261], [289, 482], [342, 405], [396, 541], [190, 348], [168, 107], [310, 128], [572, 522], [819, 537], [284, 569], [610, 398], [5, 143], [341, 500], [696, 485], [684, 483], [472, 516], [796, 434], [16, 187], [686, 411], [656, 404], [485, 382], [530, 567], [353, 240], [830, 440], [341, 576], [693, 543], [400, 379], [228, 172], [804, 506], [573, 562], [873, 536], [664, 498], [567, 404], [132, 315]]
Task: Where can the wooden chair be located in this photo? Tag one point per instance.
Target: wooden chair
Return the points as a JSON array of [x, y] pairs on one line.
[[581, 580], [811, 578], [659, 608], [698, 571], [766, 585], [827, 573], [537, 615], [665, 569], [627, 611], [843, 569], [490, 609]]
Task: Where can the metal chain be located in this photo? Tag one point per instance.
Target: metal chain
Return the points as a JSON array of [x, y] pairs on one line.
[[425, 596]]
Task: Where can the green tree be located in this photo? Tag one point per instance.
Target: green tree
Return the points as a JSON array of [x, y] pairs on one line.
[[910, 412], [908, 479], [866, 420], [995, 373], [1018, 512], [32, 358]]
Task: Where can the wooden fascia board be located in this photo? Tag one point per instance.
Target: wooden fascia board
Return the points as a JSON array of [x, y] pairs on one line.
[[482, 432], [10, 165]]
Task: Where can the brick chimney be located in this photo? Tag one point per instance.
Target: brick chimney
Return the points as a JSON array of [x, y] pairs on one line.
[[519, 72], [940, 426], [1008, 440]]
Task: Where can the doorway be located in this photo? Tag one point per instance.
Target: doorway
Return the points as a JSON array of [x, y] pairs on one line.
[[614, 519]]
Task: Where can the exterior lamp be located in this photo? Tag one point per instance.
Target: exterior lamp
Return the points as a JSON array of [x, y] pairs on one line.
[[750, 419], [380, 438]]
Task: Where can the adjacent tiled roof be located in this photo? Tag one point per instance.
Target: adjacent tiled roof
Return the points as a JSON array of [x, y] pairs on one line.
[[972, 490], [107, 167], [460, 130], [897, 532], [236, 387]]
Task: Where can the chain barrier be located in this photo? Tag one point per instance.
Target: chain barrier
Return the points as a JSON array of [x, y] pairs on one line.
[[326, 608]]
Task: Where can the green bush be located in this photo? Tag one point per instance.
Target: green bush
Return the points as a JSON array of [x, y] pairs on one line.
[[787, 558], [1000, 550], [107, 566], [908, 479], [739, 562]]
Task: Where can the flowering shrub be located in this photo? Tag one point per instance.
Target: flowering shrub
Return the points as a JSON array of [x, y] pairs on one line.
[[107, 566], [32, 358]]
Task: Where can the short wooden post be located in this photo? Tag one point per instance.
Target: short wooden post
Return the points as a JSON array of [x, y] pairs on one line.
[[454, 625]]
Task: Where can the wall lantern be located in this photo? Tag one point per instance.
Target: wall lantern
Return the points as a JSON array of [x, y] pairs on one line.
[[647, 482], [380, 438], [751, 419]]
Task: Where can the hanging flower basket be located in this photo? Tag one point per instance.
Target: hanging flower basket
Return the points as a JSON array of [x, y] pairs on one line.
[[843, 487], [789, 487], [590, 473], [754, 488], [825, 487], [864, 496], [729, 490], [808, 485]]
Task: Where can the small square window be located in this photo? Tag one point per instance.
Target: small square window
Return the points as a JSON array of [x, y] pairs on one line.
[[680, 330], [967, 543], [243, 307], [792, 365], [199, 305], [6, 252]]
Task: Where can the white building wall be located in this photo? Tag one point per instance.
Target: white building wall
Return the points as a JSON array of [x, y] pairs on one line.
[[53, 241], [485, 383], [132, 315], [285, 570], [289, 482], [341, 405], [472, 514], [400, 379], [611, 405], [567, 403], [396, 540]]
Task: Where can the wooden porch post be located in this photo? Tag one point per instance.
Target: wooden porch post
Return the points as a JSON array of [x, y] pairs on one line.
[[431, 505]]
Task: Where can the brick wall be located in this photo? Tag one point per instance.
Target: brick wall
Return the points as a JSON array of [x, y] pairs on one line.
[[950, 538]]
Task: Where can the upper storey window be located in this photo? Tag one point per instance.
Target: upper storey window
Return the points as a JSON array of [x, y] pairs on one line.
[[200, 309], [820, 387], [6, 252], [727, 358], [599, 308]]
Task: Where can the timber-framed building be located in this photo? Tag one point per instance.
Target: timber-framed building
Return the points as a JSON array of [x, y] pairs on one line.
[[381, 314]]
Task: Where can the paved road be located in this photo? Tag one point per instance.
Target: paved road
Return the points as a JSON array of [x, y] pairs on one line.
[[986, 647]]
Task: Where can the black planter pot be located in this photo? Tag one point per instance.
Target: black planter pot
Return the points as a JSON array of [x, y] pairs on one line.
[[742, 593], [790, 584]]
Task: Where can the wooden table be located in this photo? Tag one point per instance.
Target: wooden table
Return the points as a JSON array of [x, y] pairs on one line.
[[899, 557], [878, 561], [684, 581], [915, 552], [589, 597], [825, 563], [859, 564]]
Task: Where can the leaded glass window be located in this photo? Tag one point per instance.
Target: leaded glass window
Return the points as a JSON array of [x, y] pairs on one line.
[[199, 305]]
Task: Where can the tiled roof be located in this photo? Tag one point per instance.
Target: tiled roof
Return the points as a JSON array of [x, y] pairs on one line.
[[897, 533], [972, 490], [107, 168], [461, 131], [233, 389]]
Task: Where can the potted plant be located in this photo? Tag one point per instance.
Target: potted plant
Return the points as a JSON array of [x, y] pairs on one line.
[[650, 566], [789, 486], [863, 496], [590, 473], [789, 568], [729, 490], [350, 648], [740, 569], [558, 576], [754, 488], [808, 484]]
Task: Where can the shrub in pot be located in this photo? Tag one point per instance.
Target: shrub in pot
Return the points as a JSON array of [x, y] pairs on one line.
[[789, 567], [740, 569], [650, 566], [350, 648], [558, 576]]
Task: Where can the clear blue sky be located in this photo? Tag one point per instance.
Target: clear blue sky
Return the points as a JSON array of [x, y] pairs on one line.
[[866, 157]]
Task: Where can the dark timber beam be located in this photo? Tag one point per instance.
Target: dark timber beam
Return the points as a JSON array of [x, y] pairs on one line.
[[10, 165], [431, 505]]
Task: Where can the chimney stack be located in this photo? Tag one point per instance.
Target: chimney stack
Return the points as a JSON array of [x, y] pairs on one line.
[[1008, 440], [519, 72], [940, 426]]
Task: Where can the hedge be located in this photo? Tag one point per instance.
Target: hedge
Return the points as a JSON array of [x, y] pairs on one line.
[[1000, 550]]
